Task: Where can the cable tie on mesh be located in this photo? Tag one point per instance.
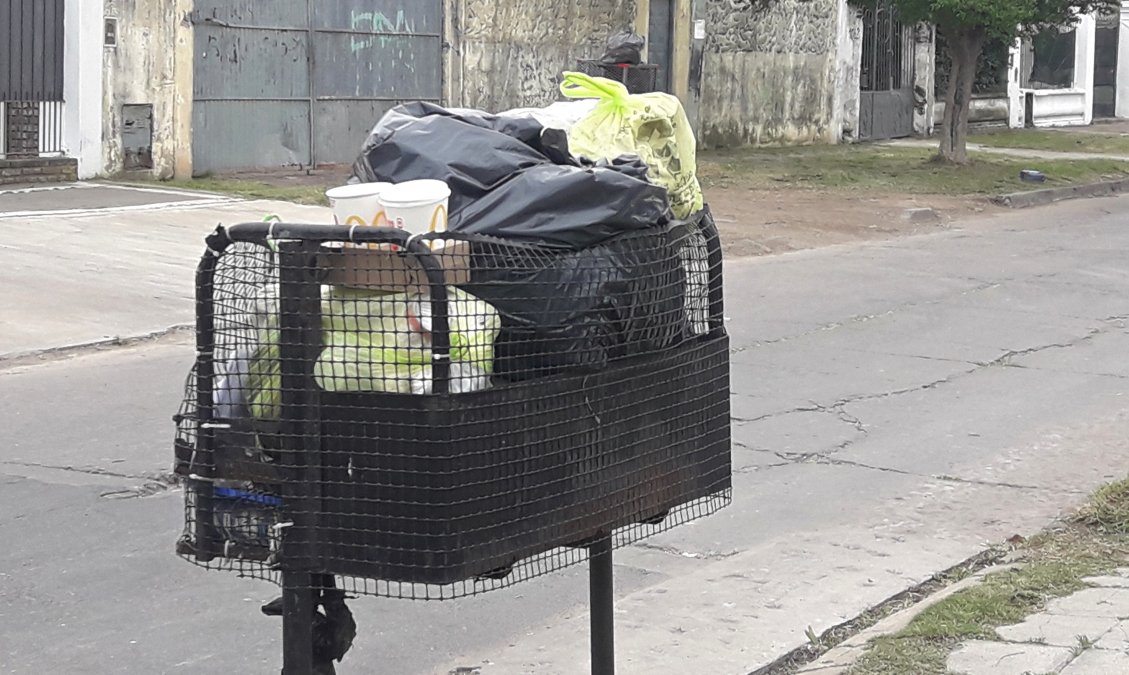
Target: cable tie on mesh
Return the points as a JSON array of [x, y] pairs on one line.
[[215, 425], [282, 526], [202, 479], [588, 404], [270, 230], [352, 229]]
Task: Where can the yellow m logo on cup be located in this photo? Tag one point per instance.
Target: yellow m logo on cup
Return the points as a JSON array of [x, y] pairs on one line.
[[378, 221], [357, 204]]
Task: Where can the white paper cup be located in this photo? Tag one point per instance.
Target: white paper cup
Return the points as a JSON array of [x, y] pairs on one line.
[[358, 204], [418, 206]]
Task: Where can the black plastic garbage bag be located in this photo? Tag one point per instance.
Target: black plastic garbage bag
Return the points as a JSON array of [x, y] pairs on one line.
[[580, 309], [564, 206], [472, 160], [512, 178], [624, 48], [383, 158]]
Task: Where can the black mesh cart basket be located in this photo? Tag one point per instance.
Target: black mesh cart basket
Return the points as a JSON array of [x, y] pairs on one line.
[[439, 416]]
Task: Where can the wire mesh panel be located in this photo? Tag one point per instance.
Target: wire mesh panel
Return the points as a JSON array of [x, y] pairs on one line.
[[437, 418], [639, 79]]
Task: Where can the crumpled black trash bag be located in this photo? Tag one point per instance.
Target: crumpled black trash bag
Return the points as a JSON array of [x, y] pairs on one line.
[[525, 130], [581, 309], [566, 206], [511, 178], [334, 631], [624, 48]]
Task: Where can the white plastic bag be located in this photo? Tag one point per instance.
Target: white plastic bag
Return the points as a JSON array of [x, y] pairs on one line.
[[562, 115]]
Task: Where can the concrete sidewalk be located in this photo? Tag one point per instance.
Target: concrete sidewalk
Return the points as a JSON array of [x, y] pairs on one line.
[[86, 263], [1011, 152], [1083, 634]]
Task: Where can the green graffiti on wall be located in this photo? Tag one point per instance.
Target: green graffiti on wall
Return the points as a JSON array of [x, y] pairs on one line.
[[377, 22]]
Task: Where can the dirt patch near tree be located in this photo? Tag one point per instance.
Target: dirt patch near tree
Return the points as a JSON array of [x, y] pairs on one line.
[[764, 221]]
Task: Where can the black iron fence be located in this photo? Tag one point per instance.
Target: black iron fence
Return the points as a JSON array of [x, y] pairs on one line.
[[887, 50], [31, 77]]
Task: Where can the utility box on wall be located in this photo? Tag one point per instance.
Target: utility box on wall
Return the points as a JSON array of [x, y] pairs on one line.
[[137, 136]]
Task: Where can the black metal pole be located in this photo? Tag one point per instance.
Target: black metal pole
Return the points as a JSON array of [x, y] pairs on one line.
[[298, 597], [299, 344], [601, 598]]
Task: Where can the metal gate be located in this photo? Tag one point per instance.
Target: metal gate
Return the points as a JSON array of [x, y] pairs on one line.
[[302, 82], [31, 77], [886, 105]]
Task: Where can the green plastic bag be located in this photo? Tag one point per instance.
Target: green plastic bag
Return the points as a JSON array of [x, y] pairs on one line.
[[652, 126], [375, 342]]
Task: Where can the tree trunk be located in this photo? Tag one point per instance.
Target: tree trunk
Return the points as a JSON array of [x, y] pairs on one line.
[[964, 47]]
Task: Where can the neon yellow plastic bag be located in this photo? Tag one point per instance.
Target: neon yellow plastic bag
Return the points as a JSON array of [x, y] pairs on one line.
[[652, 126], [371, 344]]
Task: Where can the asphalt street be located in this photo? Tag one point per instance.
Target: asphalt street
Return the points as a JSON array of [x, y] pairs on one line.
[[897, 406]]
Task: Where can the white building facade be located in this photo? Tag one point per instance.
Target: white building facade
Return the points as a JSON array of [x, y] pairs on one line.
[[1071, 76]]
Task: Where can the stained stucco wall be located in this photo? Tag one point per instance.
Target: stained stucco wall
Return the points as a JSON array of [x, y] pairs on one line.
[[770, 72], [146, 67], [513, 51]]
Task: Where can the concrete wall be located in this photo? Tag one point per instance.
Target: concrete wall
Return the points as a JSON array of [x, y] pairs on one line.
[[771, 71], [985, 110], [510, 53], [149, 65]]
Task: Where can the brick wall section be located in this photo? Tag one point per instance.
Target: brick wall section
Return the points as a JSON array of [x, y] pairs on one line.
[[38, 170], [22, 128]]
